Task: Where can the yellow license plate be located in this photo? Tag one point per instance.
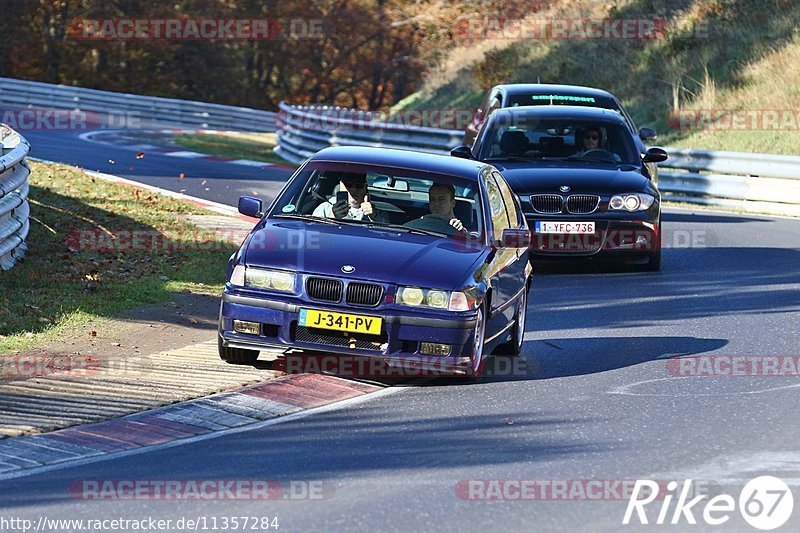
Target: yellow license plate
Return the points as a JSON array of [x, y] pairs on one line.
[[311, 318]]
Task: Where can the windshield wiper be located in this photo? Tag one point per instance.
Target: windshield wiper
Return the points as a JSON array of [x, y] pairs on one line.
[[310, 218], [595, 160], [325, 220], [540, 157], [406, 229], [366, 223], [511, 158]]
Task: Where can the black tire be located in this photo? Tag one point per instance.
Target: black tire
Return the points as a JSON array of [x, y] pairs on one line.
[[513, 347], [654, 261], [236, 356], [478, 361]]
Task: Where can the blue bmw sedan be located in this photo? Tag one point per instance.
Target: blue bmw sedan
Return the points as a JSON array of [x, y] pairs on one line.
[[410, 258]]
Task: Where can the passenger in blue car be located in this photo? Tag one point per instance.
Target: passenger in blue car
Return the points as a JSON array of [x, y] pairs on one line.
[[441, 202], [356, 207]]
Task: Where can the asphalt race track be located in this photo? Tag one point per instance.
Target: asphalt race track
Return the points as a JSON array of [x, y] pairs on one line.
[[204, 178], [593, 397]]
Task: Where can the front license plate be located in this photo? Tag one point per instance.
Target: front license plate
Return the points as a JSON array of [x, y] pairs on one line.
[[579, 228], [311, 318]]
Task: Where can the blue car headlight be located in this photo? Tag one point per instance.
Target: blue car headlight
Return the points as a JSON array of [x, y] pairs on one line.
[[263, 278], [434, 299], [631, 202]]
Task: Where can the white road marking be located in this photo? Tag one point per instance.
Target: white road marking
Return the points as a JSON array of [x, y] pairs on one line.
[[249, 163], [737, 469], [626, 389], [186, 153]]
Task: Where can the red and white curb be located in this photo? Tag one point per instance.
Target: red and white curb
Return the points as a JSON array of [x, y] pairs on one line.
[[278, 400]]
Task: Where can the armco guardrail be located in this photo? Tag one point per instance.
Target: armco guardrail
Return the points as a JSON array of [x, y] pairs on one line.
[[14, 208], [20, 94], [304, 130], [751, 182]]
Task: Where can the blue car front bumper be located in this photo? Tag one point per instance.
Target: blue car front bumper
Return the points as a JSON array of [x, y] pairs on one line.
[[399, 342]]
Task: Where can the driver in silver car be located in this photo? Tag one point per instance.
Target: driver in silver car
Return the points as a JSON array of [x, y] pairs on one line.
[[441, 202]]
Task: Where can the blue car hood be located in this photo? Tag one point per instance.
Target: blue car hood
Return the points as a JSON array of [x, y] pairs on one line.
[[581, 178], [377, 254]]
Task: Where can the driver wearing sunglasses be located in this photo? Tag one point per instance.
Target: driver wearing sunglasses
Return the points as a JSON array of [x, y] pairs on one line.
[[592, 140], [356, 207]]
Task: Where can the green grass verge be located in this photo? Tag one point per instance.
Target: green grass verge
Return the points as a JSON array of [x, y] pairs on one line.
[[253, 146], [80, 265]]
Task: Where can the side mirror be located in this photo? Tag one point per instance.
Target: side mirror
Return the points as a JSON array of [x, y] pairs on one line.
[[462, 151], [516, 238], [655, 155], [250, 207], [647, 134]]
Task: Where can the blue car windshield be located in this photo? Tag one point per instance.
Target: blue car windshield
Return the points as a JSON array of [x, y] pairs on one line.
[[397, 197], [534, 138]]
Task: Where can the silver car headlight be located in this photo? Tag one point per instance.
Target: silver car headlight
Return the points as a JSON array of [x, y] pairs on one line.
[[631, 202]]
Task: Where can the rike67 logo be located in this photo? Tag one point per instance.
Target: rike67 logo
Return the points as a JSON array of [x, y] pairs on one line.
[[765, 503]]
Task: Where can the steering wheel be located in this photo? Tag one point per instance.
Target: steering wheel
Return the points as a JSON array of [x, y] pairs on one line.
[[432, 223], [599, 153]]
